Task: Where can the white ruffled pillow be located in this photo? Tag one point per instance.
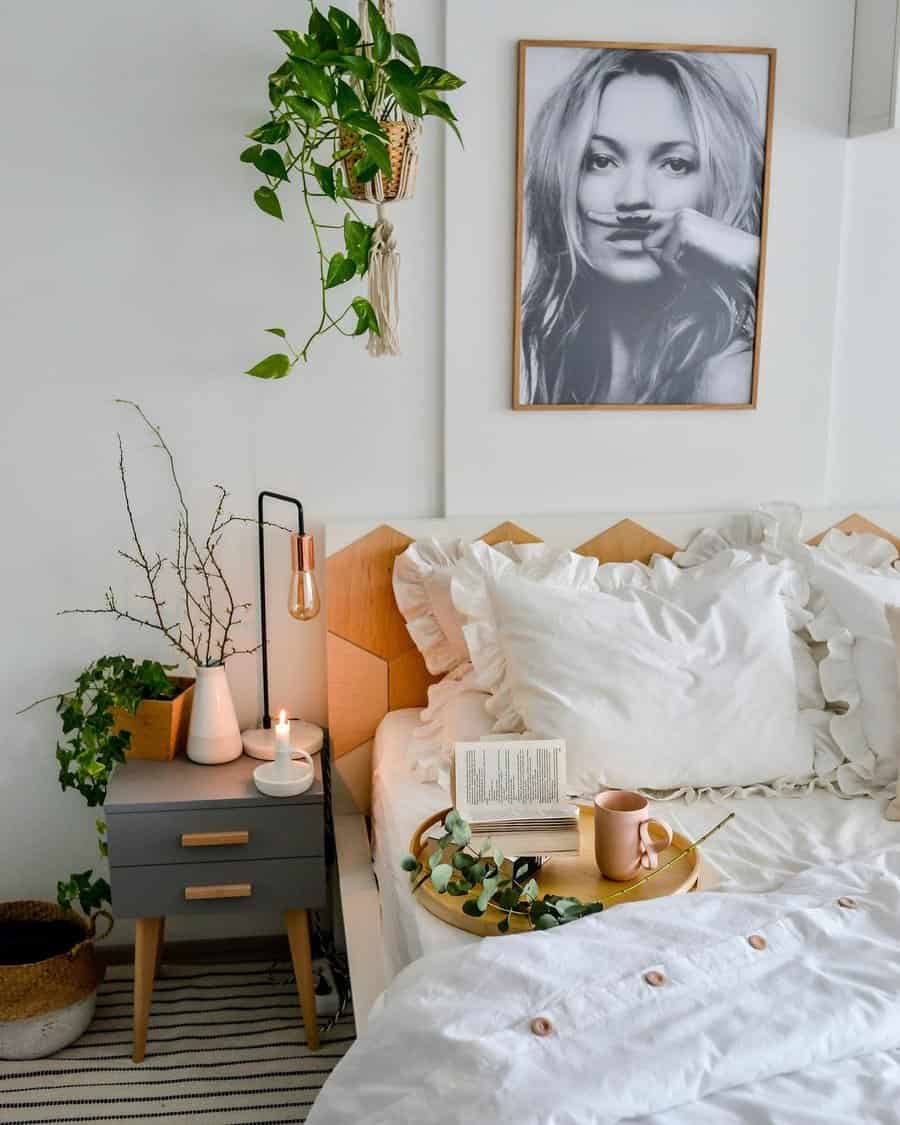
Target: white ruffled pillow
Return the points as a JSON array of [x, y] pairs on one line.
[[892, 613], [852, 579], [456, 712], [657, 678], [422, 576]]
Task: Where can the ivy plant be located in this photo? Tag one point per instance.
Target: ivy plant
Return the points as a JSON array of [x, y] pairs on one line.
[[328, 100], [91, 747]]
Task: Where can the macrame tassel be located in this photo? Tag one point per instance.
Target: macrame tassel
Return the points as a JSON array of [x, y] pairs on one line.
[[384, 288]]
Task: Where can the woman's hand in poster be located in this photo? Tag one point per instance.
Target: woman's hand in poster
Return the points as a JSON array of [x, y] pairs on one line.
[[687, 241]]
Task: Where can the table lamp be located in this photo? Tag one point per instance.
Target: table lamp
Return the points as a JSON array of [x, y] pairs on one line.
[[303, 605]]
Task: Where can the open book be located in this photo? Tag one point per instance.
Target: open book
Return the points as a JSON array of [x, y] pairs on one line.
[[513, 791]]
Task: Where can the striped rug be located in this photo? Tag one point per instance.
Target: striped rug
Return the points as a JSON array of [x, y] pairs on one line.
[[225, 1045]]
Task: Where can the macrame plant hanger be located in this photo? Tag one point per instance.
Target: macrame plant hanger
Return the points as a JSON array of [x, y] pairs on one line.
[[404, 132]]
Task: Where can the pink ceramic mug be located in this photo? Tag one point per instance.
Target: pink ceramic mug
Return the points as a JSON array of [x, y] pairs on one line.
[[622, 841]]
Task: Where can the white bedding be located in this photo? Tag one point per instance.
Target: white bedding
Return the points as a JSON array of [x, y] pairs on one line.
[[770, 840]]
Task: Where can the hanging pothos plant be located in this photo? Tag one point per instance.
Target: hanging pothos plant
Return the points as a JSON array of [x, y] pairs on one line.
[[329, 101]]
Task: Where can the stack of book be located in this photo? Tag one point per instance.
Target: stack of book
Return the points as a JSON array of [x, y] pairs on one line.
[[513, 792]]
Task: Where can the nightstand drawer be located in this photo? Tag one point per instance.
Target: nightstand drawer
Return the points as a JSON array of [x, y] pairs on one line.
[[193, 836], [218, 888]]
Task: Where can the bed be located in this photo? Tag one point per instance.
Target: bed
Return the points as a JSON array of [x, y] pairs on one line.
[[377, 686]]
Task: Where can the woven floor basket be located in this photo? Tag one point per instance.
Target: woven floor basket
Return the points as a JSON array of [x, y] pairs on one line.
[[398, 139], [32, 991]]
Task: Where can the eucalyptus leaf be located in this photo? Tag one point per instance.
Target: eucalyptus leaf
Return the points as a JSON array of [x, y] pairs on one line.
[[546, 922], [471, 907], [462, 861], [441, 876], [272, 367], [409, 862], [530, 890], [462, 834], [436, 858], [503, 925], [267, 200]]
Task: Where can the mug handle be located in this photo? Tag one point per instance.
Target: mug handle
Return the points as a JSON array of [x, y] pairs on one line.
[[651, 848]]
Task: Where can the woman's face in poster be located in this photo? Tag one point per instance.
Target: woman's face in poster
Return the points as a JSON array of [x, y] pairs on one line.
[[642, 159]]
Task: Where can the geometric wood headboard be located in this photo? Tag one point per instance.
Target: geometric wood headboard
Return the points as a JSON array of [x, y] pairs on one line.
[[373, 665]]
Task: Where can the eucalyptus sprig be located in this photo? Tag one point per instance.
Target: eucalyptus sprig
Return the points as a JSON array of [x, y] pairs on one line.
[[328, 101], [455, 868]]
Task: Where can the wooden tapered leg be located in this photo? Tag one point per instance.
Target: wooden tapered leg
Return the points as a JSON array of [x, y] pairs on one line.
[[160, 946], [297, 925], [147, 941]]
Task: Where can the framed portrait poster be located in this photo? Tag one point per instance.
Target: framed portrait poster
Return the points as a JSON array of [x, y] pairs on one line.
[[642, 188]]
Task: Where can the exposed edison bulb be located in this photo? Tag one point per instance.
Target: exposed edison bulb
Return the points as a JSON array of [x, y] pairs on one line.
[[303, 596]]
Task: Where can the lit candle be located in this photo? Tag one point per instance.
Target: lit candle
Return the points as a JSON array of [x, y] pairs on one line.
[[283, 744]]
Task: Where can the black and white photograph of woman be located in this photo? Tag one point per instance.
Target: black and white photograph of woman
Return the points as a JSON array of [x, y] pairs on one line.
[[641, 204]]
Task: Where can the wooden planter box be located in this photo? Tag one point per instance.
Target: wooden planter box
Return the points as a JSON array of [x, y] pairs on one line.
[[159, 727]]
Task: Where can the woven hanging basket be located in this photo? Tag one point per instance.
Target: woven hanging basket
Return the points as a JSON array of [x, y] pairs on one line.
[[51, 987], [403, 150]]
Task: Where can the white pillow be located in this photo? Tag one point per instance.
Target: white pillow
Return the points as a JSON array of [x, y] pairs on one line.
[[853, 578], [422, 576], [456, 712], [678, 680], [892, 613]]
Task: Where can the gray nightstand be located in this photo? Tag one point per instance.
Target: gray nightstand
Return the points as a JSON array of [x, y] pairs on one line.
[[191, 839]]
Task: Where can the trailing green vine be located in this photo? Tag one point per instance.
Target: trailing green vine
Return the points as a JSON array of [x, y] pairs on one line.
[[328, 100]]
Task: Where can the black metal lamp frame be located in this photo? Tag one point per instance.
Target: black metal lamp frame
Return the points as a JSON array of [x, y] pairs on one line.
[[266, 718]]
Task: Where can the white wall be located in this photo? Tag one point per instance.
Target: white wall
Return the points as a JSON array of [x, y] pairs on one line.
[[591, 461], [134, 264], [865, 466]]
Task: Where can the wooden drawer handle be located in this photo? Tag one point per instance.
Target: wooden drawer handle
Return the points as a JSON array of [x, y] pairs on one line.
[[222, 890], [214, 839]]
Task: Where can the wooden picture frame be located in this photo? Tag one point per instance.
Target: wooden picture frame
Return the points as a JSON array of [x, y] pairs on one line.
[[727, 380]]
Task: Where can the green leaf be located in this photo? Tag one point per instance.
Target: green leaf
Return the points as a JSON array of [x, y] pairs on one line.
[[340, 270], [435, 78], [503, 925], [306, 109], [407, 98], [435, 107], [347, 101], [365, 170], [546, 922], [459, 888], [278, 332], [361, 68], [291, 39], [398, 72], [471, 907], [315, 81], [462, 861], [249, 155], [272, 367], [366, 320], [381, 39], [358, 240], [462, 834], [272, 133], [348, 31], [409, 862], [441, 876], [267, 200], [325, 178], [377, 151], [321, 30], [435, 858], [406, 47], [530, 890], [362, 122], [477, 872], [269, 162]]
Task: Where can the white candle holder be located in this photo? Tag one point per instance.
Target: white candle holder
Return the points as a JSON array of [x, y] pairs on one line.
[[292, 771]]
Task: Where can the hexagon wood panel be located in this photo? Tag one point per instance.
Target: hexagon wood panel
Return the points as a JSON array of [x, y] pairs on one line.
[[626, 541], [357, 694], [361, 606], [508, 533], [860, 524]]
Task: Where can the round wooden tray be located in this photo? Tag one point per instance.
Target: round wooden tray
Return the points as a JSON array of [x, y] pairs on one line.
[[571, 875]]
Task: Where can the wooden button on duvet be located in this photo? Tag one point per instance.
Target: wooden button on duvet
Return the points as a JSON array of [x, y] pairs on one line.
[[540, 1025], [847, 903], [655, 979], [757, 941]]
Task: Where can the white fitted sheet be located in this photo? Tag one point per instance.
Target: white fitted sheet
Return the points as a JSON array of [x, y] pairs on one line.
[[770, 839]]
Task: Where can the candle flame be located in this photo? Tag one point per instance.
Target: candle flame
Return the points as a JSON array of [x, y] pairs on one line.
[[281, 717]]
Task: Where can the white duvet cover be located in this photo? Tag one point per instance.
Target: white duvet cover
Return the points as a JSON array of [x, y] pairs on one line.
[[801, 1025]]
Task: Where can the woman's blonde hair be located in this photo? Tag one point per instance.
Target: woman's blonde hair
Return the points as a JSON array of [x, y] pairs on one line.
[[565, 329]]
